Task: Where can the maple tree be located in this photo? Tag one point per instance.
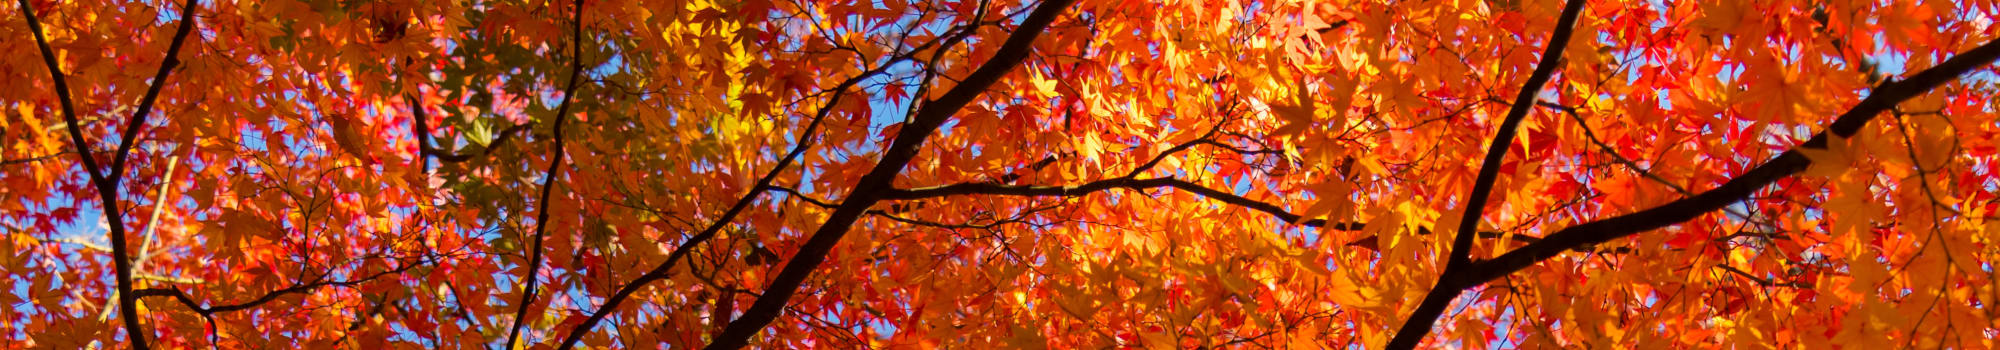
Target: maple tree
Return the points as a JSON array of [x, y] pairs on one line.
[[1016, 174]]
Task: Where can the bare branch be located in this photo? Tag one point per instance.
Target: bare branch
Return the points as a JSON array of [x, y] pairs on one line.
[[107, 184], [529, 289], [1736, 189], [878, 180], [498, 141], [267, 297], [794, 193], [1419, 323], [806, 141]]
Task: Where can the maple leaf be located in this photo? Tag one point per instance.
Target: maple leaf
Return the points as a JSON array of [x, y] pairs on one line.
[[1297, 115], [1835, 159], [997, 174], [1333, 201]]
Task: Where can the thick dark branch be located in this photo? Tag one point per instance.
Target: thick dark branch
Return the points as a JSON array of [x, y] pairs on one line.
[[1736, 189], [878, 180], [1496, 151], [84, 151], [138, 119], [1419, 324], [970, 188], [107, 183], [529, 289], [661, 271]]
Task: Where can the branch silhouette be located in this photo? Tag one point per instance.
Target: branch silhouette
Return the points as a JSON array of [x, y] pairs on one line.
[[877, 181], [530, 289], [1881, 99], [107, 183], [680, 252], [1419, 323]]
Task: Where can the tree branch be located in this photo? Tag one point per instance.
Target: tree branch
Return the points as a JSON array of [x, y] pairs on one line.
[[987, 188], [529, 289], [806, 140], [152, 226], [1419, 324], [878, 180], [207, 311], [86, 244], [422, 131], [487, 150], [1736, 189], [919, 222], [138, 119], [1591, 136], [32, 159], [420, 128], [1760, 281], [107, 184]]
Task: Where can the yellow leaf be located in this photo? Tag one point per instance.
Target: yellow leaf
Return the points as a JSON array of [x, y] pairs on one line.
[[1090, 147], [1348, 293], [1333, 201], [1047, 87], [1343, 98], [1830, 161], [1296, 119], [1297, 116]]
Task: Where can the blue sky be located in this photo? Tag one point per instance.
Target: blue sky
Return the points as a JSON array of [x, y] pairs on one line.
[[885, 113]]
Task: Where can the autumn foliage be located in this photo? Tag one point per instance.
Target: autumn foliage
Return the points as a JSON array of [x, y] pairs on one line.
[[365, 174]]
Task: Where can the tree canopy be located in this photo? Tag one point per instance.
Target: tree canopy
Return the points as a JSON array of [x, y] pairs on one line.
[[557, 174]]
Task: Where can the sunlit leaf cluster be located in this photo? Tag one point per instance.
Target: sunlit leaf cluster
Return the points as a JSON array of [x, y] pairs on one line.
[[998, 173]]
